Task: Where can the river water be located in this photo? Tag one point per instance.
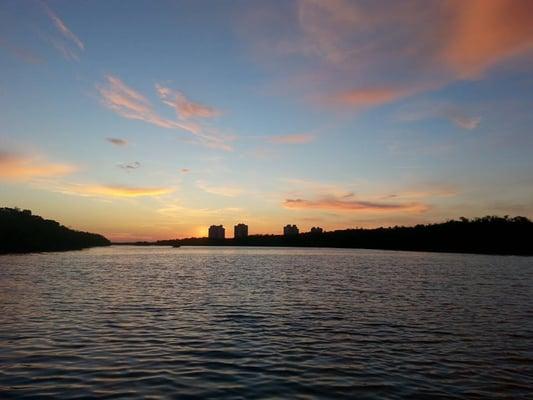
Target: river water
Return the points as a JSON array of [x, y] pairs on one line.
[[258, 323]]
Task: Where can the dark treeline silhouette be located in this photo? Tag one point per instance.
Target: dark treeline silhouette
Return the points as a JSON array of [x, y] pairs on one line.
[[22, 232], [487, 235]]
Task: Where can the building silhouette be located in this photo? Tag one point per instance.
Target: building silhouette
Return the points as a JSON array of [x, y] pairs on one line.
[[290, 230], [217, 232], [240, 231], [316, 229]]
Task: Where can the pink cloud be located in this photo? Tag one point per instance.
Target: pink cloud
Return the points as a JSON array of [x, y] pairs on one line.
[[184, 107], [129, 103], [69, 44]]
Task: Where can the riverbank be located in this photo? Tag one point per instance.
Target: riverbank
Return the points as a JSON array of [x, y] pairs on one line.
[[487, 235]]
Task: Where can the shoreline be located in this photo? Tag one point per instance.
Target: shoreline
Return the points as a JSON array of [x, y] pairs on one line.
[[328, 247]]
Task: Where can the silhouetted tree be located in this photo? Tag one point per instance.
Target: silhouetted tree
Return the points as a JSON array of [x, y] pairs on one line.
[[22, 232], [488, 235]]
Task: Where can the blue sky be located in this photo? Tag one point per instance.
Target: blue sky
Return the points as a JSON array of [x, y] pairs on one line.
[[157, 119]]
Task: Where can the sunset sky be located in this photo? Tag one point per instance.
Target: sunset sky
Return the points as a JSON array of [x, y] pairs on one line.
[[155, 119]]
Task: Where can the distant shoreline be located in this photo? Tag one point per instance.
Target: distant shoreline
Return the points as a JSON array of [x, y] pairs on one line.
[[23, 232], [487, 235]]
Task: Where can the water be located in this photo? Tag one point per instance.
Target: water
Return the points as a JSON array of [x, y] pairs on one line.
[[265, 323]]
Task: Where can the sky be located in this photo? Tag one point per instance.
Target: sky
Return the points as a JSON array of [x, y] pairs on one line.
[[146, 120]]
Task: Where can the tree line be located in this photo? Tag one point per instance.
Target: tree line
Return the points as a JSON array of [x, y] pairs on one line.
[[23, 232], [485, 235]]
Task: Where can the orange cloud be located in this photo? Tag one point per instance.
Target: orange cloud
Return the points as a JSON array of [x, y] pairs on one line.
[[14, 167], [368, 96], [112, 190], [184, 107], [128, 103], [349, 57], [485, 32], [349, 204], [297, 138]]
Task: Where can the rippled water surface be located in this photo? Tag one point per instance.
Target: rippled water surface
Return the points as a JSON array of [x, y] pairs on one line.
[[265, 323]]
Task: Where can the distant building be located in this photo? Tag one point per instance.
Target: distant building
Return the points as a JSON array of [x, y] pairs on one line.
[[290, 230], [217, 232], [316, 229], [240, 231]]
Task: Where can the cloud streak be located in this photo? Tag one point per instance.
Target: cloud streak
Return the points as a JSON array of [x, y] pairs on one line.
[[112, 191], [332, 203], [456, 115], [184, 107], [69, 44], [130, 104]]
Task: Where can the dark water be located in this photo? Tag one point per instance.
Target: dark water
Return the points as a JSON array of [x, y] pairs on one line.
[[265, 323]]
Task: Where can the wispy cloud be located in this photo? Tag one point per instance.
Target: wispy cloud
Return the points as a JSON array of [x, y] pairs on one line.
[[465, 122], [456, 115], [185, 108], [341, 52], [129, 103], [297, 138], [117, 141], [173, 210], [69, 44], [17, 167], [227, 191], [351, 204]]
